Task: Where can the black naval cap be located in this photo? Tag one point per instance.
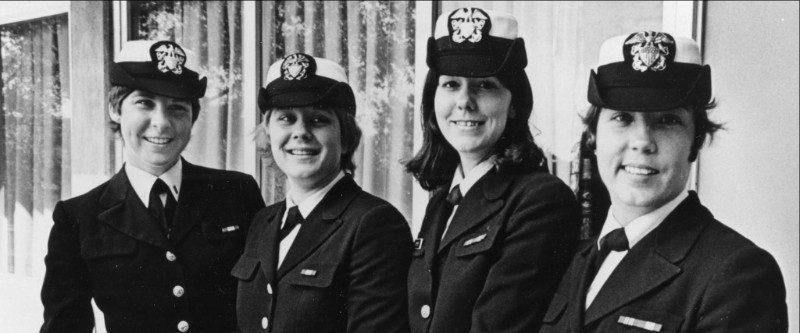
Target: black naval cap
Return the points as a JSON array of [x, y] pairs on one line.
[[158, 67], [649, 71], [473, 42], [302, 80]]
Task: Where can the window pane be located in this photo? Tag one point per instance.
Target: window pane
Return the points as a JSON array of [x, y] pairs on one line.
[[34, 138], [212, 31], [562, 39], [374, 42]]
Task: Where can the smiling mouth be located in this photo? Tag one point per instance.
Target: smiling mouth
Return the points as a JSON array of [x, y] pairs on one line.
[[157, 140], [467, 123], [640, 171], [303, 152]]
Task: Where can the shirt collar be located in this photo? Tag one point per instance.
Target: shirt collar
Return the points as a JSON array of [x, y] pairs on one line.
[[142, 181], [639, 227], [465, 182], [314, 199]]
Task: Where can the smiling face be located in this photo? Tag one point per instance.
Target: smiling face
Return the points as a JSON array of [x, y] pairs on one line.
[[472, 114], [643, 158], [306, 144], [155, 130]]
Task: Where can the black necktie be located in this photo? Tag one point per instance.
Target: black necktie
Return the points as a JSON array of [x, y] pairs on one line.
[[452, 199], [162, 213], [292, 220], [614, 241]]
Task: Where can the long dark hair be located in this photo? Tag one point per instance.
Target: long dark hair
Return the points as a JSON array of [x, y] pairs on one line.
[[515, 151]]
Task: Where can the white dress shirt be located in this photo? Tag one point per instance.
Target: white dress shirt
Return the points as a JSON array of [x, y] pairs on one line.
[[304, 208], [465, 182], [142, 181], [637, 229]]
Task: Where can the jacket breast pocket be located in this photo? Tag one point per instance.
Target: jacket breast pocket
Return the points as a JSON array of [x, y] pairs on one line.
[[632, 319], [222, 231], [316, 275], [245, 268], [477, 242], [107, 246]]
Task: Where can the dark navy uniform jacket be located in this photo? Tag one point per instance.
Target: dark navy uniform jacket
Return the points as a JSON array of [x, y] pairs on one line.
[[105, 246], [344, 272], [690, 274], [501, 259]]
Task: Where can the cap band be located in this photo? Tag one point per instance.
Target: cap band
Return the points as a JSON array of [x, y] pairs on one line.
[[649, 71], [302, 80], [157, 67]]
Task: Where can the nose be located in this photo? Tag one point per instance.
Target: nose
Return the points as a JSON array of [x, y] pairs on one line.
[[465, 99], [300, 130], [159, 117], [642, 139]]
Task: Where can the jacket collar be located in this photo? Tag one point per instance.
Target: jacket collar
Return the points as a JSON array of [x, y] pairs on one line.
[[124, 211], [654, 261], [477, 205], [321, 223]]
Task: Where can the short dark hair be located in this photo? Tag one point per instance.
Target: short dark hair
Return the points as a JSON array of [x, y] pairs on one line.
[[117, 94], [515, 151], [350, 136], [703, 126]]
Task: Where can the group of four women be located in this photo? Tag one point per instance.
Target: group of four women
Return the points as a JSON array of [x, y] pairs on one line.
[[169, 246]]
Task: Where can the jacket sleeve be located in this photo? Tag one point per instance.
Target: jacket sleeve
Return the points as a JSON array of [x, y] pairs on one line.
[[381, 255], [66, 292], [540, 237], [747, 295], [254, 202]]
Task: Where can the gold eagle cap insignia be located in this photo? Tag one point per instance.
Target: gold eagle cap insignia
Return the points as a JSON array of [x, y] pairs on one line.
[[649, 50]]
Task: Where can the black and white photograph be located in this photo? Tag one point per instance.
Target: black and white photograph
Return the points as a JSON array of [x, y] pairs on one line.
[[399, 166]]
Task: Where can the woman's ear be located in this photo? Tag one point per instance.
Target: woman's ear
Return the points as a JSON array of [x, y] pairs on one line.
[[261, 137], [113, 113]]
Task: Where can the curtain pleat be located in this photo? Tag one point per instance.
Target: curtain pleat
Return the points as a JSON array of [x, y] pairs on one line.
[[34, 68], [212, 31], [374, 42]]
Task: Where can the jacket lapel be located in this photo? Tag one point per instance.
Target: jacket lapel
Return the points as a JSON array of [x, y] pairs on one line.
[[320, 224], [195, 197], [477, 206], [434, 216], [125, 212], [653, 261], [268, 245], [579, 284]]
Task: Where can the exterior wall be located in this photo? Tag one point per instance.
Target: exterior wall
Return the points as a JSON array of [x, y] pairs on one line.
[[749, 175]]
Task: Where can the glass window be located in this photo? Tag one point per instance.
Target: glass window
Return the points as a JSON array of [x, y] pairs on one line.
[[212, 31], [34, 137], [374, 41], [34, 158]]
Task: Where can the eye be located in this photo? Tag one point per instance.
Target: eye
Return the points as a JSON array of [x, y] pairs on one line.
[[487, 85], [179, 108], [144, 102], [622, 118], [283, 117], [451, 84], [320, 120], [670, 120]]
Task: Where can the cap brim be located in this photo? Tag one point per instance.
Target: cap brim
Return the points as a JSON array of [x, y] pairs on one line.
[[476, 60], [174, 88], [615, 88], [315, 91]]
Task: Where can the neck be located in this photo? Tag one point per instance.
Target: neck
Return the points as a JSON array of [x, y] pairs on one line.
[[470, 161], [624, 215], [302, 188]]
